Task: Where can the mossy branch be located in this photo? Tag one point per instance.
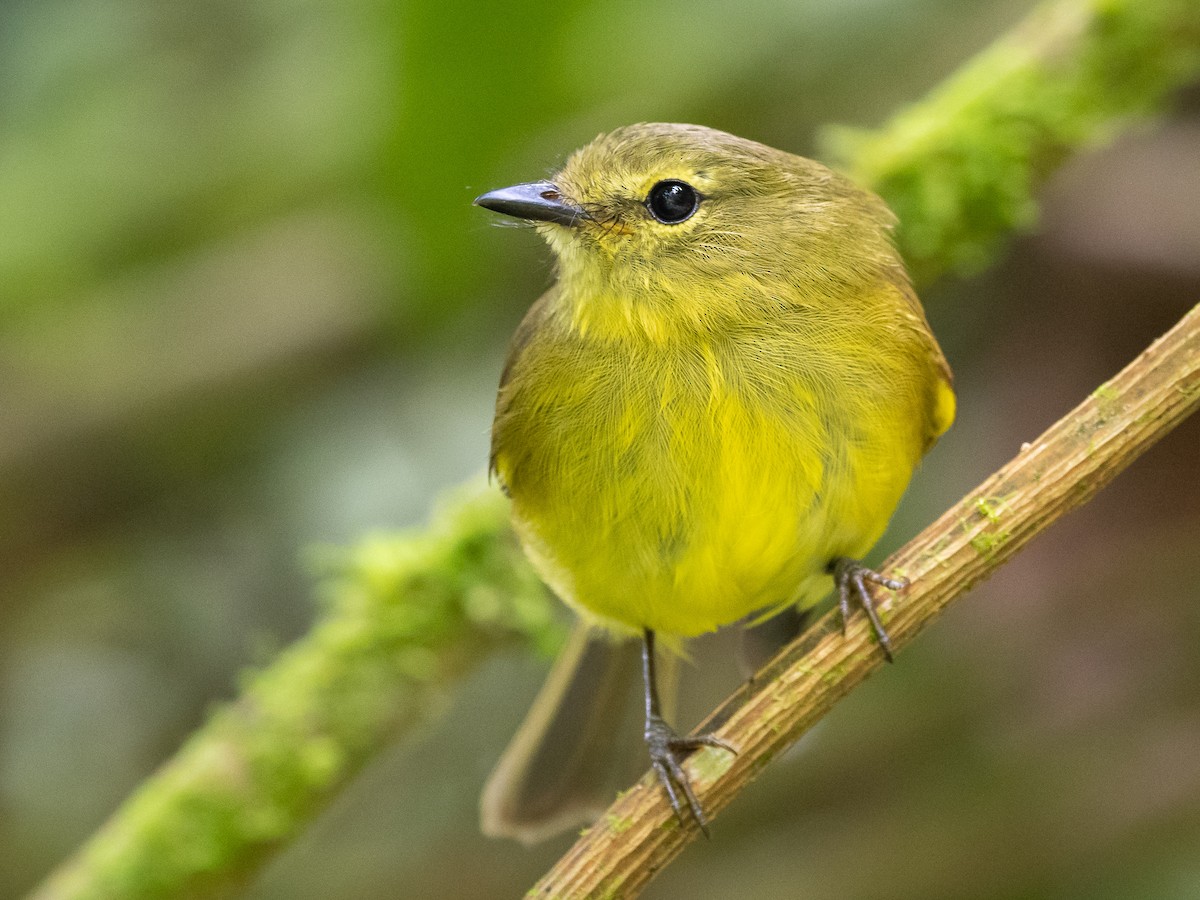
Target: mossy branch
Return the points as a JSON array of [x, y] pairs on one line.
[[408, 614], [405, 617], [960, 169], [1059, 471]]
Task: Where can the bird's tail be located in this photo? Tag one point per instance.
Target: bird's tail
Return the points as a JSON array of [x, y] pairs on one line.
[[580, 742]]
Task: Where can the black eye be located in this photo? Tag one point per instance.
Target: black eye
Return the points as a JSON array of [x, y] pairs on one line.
[[672, 202]]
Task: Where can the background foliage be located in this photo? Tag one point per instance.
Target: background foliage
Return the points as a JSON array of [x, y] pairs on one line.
[[246, 308]]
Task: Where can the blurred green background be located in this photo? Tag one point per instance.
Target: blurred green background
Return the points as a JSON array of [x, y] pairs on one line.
[[246, 308]]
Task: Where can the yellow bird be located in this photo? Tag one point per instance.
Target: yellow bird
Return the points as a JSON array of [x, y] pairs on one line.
[[712, 413]]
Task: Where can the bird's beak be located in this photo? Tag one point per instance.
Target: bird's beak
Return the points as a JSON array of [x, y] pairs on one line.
[[540, 201]]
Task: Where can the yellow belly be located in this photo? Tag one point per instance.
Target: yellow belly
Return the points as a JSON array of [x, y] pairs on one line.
[[682, 492]]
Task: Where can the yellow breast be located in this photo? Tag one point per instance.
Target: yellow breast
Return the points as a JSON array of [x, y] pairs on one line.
[[679, 487]]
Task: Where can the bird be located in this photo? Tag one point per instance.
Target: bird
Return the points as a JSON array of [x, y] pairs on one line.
[[710, 416]]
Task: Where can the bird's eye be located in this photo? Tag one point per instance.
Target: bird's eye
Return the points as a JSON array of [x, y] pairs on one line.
[[672, 202]]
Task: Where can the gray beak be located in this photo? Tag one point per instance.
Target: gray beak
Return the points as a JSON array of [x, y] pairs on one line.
[[539, 201]]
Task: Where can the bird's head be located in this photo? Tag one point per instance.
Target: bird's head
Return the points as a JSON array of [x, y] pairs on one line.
[[698, 222]]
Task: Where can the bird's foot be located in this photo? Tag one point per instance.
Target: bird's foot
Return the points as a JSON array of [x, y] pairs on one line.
[[851, 575], [667, 751]]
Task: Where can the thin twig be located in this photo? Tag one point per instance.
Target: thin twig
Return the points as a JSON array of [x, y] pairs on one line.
[[1061, 470]]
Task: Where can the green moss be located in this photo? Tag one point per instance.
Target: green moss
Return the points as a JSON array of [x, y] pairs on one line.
[[960, 168], [711, 763], [836, 673], [989, 507], [986, 543], [1189, 391], [1108, 402], [618, 824], [402, 616]]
